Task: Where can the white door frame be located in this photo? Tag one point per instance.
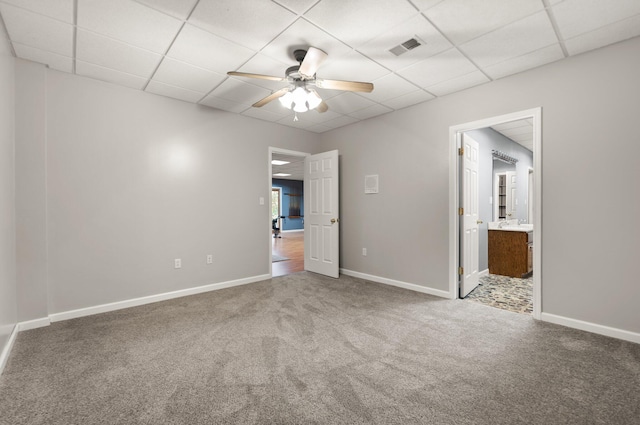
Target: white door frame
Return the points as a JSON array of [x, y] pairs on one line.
[[273, 150], [454, 188]]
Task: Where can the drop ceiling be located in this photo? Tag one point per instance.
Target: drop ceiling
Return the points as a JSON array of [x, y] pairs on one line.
[[183, 48], [294, 166], [520, 131]]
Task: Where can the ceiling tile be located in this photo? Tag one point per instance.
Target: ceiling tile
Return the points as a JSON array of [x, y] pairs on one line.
[[298, 6], [426, 4], [248, 23], [340, 122], [177, 8], [262, 114], [357, 21], [464, 20], [38, 31], [371, 111], [603, 36], [110, 75], [409, 99], [187, 76], [224, 104], [513, 124], [575, 17], [52, 60], [200, 48], [301, 123], [130, 22], [388, 87], [319, 118], [240, 92], [301, 35], [348, 102], [522, 63], [453, 85], [318, 128], [109, 53], [173, 92], [432, 43], [442, 67], [516, 39], [352, 67], [61, 10]]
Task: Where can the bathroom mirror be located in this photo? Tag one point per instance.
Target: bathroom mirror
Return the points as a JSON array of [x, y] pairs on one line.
[[504, 193]]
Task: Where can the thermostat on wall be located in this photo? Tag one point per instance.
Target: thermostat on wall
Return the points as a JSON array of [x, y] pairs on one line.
[[371, 184]]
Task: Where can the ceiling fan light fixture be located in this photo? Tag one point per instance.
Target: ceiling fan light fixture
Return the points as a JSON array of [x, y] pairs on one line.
[[300, 107], [313, 100], [286, 100]]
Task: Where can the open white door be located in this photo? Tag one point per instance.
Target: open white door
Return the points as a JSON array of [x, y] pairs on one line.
[[321, 224], [469, 218]]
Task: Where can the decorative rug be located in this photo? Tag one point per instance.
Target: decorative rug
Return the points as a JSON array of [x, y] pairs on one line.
[[504, 292], [276, 258]]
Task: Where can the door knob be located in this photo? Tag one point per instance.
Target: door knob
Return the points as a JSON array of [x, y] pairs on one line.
[[335, 220]]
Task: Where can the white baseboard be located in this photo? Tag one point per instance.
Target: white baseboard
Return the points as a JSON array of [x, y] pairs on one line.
[[292, 230], [405, 285], [591, 327], [34, 324], [103, 308], [484, 272], [4, 355]]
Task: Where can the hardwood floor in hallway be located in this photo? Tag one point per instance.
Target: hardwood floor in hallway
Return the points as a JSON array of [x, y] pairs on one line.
[[291, 246]]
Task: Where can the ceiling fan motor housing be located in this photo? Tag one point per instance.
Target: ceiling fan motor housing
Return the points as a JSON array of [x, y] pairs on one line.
[[299, 54]]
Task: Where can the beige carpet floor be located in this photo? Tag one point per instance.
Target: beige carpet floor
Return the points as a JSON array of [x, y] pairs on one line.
[[305, 349]]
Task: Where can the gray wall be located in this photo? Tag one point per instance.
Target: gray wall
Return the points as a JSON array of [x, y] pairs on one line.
[[489, 139], [590, 161], [31, 208], [135, 180], [8, 309]]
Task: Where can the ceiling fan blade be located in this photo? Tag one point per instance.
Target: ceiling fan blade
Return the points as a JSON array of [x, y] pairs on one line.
[[260, 76], [272, 96], [312, 61], [344, 85], [322, 107]]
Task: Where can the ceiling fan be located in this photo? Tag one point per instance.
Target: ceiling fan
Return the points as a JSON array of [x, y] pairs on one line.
[[299, 95]]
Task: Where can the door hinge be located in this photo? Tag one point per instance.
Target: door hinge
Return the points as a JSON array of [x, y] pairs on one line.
[[460, 151], [460, 211], [460, 271]]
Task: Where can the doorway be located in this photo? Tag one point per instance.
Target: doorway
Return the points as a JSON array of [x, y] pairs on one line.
[[286, 178], [526, 208]]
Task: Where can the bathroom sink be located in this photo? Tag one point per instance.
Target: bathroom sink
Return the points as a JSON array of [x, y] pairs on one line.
[[518, 228], [495, 225]]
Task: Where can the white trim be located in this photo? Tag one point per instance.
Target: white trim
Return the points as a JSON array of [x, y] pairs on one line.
[[399, 284], [454, 242], [103, 308], [591, 327], [292, 230], [34, 324], [4, 356], [484, 272]]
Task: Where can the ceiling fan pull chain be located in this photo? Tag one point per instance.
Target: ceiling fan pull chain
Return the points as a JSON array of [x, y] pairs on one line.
[[295, 116]]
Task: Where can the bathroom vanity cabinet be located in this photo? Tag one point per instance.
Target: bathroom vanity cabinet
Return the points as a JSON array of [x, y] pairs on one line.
[[510, 253]]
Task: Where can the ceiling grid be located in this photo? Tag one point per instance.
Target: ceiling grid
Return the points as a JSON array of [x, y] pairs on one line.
[[184, 48]]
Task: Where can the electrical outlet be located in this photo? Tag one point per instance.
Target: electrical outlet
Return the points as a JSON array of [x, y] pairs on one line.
[[364, 252], [177, 263], [209, 259]]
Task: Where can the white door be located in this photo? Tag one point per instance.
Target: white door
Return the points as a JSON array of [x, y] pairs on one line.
[[321, 223], [512, 200], [469, 220]]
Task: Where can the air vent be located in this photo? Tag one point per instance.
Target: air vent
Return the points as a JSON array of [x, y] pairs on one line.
[[410, 44]]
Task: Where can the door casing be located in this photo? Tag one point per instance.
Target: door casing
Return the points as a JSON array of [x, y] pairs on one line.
[[455, 139]]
